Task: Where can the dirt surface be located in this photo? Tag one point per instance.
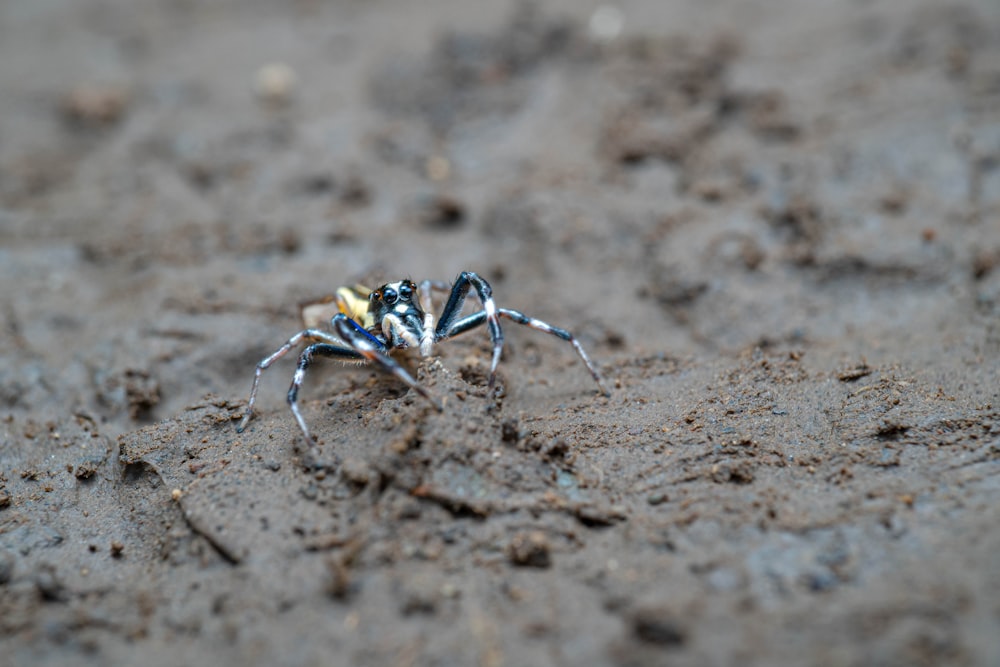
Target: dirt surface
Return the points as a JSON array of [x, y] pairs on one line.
[[775, 227]]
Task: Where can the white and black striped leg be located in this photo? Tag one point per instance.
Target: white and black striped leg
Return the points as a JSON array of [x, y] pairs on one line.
[[476, 319], [453, 309], [322, 349], [371, 349], [538, 325], [307, 335]]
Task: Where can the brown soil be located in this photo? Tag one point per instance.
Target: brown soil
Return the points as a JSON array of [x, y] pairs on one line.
[[774, 226]]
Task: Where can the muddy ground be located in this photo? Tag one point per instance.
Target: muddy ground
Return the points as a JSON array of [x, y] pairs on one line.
[[775, 226]]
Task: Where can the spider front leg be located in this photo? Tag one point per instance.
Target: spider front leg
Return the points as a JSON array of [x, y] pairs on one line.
[[307, 335], [453, 309], [373, 350]]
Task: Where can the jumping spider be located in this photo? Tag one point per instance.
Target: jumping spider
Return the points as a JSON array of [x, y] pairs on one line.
[[398, 315]]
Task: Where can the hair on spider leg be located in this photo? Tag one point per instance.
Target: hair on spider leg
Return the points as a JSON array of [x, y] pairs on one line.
[[370, 324]]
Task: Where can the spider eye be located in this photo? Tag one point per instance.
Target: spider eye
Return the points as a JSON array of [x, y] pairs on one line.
[[405, 290], [375, 296], [389, 296]]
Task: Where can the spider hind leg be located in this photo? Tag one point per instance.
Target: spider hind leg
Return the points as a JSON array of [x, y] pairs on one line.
[[306, 335]]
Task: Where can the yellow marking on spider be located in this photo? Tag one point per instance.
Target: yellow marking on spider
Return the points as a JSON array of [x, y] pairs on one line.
[[353, 302]]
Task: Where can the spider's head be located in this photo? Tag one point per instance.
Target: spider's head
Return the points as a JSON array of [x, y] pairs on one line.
[[398, 297]]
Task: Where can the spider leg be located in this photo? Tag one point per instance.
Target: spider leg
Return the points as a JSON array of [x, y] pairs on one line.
[[453, 309], [427, 305], [476, 319], [425, 288], [467, 323], [538, 325], [373, 350], [306, 335], [323, 349]]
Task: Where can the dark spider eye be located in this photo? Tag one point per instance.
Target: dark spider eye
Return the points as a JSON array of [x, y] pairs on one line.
[[389, 295], [406, 290], [375, 296]]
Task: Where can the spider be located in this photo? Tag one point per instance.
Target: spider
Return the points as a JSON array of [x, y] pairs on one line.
[[398, 315]]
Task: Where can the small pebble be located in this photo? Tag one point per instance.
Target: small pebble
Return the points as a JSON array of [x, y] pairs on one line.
[[657, 499], [656, 626], [94, 105], [606, 23], [356, 471], [49, 585], [530, 550], [275, 84]]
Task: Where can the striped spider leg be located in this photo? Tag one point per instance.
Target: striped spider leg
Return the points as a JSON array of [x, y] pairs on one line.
[[451, 325]]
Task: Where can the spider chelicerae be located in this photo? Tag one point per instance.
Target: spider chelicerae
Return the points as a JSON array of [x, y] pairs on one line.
[[372, 323]]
